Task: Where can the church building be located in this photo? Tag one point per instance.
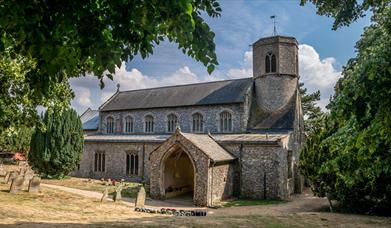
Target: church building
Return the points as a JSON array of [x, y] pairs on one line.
[[210, 141]]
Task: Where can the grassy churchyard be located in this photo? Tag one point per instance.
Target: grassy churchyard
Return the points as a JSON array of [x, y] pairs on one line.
[[50, 207]]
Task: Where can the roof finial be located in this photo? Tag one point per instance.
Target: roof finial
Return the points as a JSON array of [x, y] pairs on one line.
[[177, 126], [118, 85], [274, 24]]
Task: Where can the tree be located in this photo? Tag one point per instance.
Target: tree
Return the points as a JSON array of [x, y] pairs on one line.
[[345, 11], [57, 150], [16, 140], [49, 42], [312, 113], [355, 144]]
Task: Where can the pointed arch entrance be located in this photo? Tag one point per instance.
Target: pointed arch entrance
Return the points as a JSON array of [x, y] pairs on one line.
[[178, 177]]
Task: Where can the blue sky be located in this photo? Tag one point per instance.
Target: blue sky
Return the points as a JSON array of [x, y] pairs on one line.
[[322, 53]]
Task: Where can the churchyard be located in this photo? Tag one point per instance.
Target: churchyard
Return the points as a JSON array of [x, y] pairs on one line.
[[48, 207]]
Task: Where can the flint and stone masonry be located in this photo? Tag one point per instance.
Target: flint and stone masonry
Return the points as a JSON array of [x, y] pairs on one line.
[[250, 151]]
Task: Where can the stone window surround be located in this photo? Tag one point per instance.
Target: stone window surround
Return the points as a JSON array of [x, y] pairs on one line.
[[130, 153], [203, 121], [99, 161], [218, 119], [107, 125], [153, 123], [177, 118], [269, 62], [124, 123]]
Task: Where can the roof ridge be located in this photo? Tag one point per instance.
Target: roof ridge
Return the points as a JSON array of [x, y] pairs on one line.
[[171, 86]]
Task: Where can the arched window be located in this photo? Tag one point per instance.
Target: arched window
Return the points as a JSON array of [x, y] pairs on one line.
[[274, 63], [270, 63], [172, 121], [100, 161], [128, 124], [110, 125], [131, 164], [267, 64], [148, 123], [198, 122], [225, 122]]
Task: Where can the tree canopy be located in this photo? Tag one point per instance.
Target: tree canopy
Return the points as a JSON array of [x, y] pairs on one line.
[[44, 43], [348, 158], [345, 11]]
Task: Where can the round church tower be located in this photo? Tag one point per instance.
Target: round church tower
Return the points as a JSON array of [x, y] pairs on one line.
[[275, 71]]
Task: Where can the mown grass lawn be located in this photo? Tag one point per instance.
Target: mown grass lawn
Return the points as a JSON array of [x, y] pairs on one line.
[[129, 190]]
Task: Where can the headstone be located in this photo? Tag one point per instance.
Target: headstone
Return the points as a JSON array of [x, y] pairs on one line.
[[16, 185], [35, 184], [140, 199], [12, 175], [105, 194], [5, 178], [117, 196], [28, 175], [2, 170]]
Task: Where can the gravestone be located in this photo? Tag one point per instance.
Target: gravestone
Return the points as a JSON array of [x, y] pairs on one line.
[[12, 175], [3, 174], [140, 199], [16, 185], [117, 196], [28, 175], [105, 194], [35, 184], [5, 178]]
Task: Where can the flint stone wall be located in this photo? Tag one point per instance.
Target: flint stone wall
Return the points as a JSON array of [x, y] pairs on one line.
[[221, 182], [211, 118], [115, 159]]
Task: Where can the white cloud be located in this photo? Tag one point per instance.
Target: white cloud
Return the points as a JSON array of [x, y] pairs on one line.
[[246, 69], [314, 71], [84, 96]]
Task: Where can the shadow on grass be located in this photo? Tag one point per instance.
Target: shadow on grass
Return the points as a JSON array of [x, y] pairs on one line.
[[250, 202]]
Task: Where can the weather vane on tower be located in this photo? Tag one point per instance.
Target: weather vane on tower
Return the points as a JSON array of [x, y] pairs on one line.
[[274, 23]]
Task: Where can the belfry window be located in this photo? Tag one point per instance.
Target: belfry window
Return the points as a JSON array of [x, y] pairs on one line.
[[100, 161], [131, 164], [110, 125], [198, 122], [270, 63], [172, 121], [148, 124], [225, 122], [129, 124]]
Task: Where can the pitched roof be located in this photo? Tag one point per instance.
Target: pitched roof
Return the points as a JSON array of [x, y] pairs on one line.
[[210, 147], [217, 92], [90, 119]]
